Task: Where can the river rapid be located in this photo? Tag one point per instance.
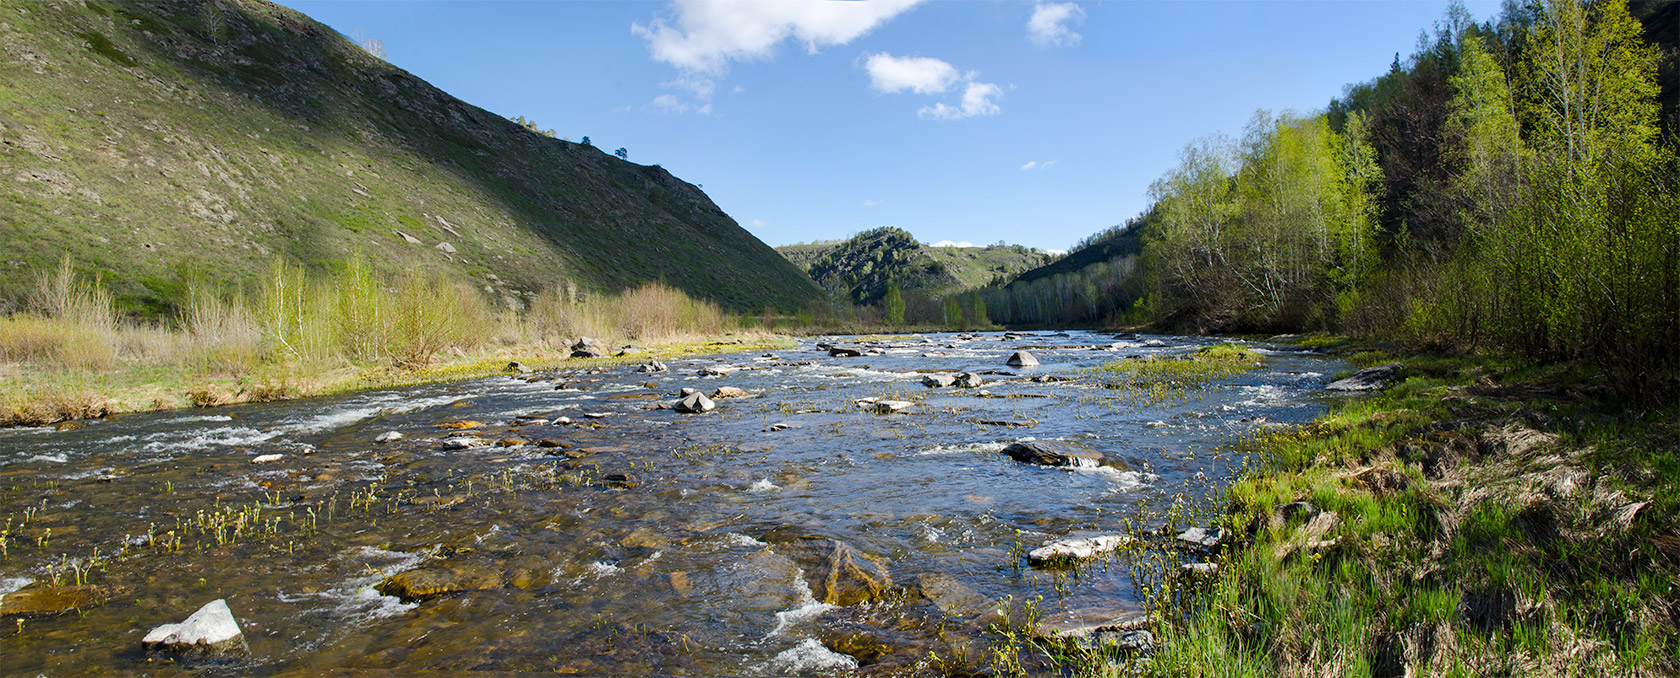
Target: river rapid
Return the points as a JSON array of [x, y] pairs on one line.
[[641, 541]]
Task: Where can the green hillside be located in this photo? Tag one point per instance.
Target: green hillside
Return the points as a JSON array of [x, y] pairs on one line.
[[864, 266], [162, 141]]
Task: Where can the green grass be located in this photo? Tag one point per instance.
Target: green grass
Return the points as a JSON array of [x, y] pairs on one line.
[[1479, 566]]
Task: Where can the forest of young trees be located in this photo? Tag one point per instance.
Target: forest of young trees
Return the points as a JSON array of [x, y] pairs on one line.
[[1511, 186]]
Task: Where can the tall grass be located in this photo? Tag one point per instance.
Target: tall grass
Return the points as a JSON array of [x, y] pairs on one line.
[[291, 328], [653, 312]]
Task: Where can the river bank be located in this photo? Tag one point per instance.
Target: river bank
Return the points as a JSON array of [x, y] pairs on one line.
[[1479, 517], [37, 394]]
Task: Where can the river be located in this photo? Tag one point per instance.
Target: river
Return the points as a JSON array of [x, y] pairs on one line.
[[644, 541]]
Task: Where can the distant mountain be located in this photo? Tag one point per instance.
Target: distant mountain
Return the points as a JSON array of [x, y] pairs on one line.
[[158, 140], [862, 267]]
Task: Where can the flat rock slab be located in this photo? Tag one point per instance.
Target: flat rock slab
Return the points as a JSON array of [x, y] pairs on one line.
[[1099, 629], [1067, 551], [440, 579], [1368, 379], [46, 601], [211, 630], [1060, 454]]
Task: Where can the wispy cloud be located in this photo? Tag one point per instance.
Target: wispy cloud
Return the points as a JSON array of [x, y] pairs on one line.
[[758, 223], [1049, 25], [871, 203], [1037, 165], [953, 243]]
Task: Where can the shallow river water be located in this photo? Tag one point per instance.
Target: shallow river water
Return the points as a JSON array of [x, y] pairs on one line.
[[679, 568]]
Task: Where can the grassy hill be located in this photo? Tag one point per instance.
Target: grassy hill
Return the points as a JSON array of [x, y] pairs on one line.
[[157, 142], [863, 266]]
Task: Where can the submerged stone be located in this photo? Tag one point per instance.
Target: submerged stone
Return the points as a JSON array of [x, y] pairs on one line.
[[837, 573], [440, 579], [45, 601], [952, 597]]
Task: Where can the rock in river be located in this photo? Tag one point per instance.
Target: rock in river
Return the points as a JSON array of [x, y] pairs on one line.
[[838, 574], [729, 392], [440, 579], [952, 597], [842, 352], [695, 403], [969, 380], [209, 631], [1022, 359], [1368, 379], [1060, 453], [388, 436], [1075, 550], [939, 380], [587, 347], [1201, 537]]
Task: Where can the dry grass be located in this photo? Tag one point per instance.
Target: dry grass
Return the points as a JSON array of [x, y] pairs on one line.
[[68, 354]]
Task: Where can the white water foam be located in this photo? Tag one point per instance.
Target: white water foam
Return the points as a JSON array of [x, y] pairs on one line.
[[10, 584], [763, 485], [966, 448], [54, 458], [810, 656], [808, 607]]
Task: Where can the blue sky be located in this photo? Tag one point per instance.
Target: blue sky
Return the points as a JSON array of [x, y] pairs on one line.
[[1035, 123]]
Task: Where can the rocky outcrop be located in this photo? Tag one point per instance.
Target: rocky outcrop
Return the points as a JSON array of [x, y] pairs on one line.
[[210, 631]]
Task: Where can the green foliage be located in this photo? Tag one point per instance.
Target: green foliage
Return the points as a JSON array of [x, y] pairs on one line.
[[894, 303], [953, 314]]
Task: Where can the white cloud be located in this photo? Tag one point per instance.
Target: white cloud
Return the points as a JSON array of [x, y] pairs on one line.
[[1056, 252], [953, 243], [739, 89], [927, 75], [922, 75], [758, 223], [1048, 26], [871, 203], [709, 34], [977, 99], [1036, 165]]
